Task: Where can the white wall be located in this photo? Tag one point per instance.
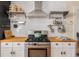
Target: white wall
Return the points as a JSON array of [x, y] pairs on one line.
[[41, 24]]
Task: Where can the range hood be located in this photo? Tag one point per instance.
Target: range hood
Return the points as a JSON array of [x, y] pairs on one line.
[[37, 12]]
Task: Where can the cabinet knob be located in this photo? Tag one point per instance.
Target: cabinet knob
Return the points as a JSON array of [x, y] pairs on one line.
[[69, 44], [18, 43], [6, 43], [56, 43], [61, 53], [13, 52], [10, 52], [64, 53]]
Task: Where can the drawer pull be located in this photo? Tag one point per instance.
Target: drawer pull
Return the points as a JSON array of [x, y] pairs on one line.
[[11, 53], [6, 44], [64, 53], [18, 43], [61, 53], [56, 43], [69, 44]]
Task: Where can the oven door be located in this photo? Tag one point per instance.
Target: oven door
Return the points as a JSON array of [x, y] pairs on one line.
[[37, 52]]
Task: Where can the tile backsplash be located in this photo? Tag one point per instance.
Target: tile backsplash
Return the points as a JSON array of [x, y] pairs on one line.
[[40, 24]]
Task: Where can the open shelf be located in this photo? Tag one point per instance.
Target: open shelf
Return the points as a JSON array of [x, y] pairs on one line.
[[16, 12], [59, 12], [64, 13]]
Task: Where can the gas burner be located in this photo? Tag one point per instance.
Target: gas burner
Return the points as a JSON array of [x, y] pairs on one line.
[[37, 40]]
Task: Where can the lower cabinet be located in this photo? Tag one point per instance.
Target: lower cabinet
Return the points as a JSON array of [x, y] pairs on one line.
[[6, 52], [18, 49], [6, 49], [63, 49], [69, 49], [14, 49], [56, 48]]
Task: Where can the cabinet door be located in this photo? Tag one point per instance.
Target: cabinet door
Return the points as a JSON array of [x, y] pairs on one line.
[[69, 49], [6, 49], [6, 52], [56, 49], [18, 49]]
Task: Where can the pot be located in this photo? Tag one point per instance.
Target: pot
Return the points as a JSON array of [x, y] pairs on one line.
[[37, 34]]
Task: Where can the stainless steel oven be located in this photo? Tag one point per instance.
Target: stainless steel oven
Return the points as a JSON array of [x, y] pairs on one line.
[[37, 52], [38, 49]]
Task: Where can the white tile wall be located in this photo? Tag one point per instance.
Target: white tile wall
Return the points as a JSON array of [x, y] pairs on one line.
[[41, 24]]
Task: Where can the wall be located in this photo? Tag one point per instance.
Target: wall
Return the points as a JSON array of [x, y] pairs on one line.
[[41, 24]]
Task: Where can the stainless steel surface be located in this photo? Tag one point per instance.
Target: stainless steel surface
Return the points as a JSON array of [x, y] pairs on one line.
[[38, 43], [38, 12], [34, 47]]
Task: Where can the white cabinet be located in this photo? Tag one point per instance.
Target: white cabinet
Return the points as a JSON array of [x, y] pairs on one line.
[[63, 49], [69, 49], [56, 48], [6, 49], [18, 49], [6, 52], [12, 49]]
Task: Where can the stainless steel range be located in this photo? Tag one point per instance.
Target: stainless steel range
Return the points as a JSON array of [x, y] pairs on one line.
[[38, 36], [38, 45], [38, 49]]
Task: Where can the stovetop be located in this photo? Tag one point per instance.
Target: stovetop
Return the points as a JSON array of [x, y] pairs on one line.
[[42, 38], [37, 40]]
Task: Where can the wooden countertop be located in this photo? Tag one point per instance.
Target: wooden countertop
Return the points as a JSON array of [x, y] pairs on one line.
[[22, 39], [14, 39], [59, 40]]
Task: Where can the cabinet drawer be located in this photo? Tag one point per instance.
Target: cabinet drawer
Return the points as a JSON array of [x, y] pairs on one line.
[[6, 44], [56, 44], [18, 48], [69, 44], [18, 44]]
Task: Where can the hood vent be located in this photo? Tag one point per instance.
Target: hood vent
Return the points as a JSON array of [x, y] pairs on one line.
[[38, 12]]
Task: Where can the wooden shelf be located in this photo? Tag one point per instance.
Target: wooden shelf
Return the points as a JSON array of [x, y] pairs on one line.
[[18, 12], [59, 12], [64, 13]]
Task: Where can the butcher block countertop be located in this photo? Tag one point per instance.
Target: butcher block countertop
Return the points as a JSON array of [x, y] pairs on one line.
[[22, 39], [14, 39], [52, 39]]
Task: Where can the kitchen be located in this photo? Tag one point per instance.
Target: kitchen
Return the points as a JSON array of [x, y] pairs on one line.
[[39, 29]]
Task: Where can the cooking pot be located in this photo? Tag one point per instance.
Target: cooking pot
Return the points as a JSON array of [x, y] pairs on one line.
[[37, 34]]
